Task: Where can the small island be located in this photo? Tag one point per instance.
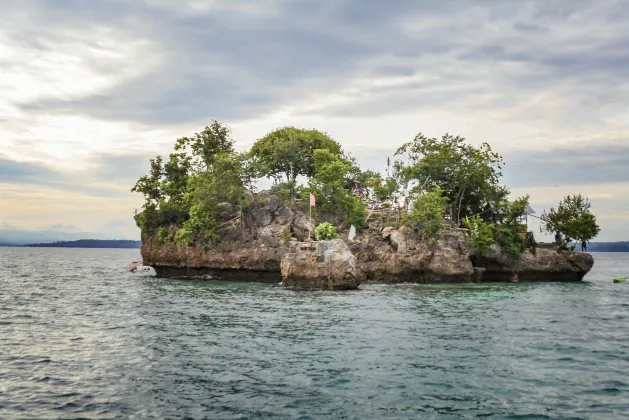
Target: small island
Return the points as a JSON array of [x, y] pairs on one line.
[[437, 214]]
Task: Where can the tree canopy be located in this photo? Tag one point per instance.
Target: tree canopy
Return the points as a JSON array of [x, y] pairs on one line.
[[572, 219], [468, 175], [288, 152]]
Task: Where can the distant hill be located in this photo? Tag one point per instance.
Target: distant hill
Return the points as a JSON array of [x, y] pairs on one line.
[[608, 247], [90, 243]]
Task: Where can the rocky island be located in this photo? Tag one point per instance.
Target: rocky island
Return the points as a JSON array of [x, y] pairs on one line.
[[441, 217]]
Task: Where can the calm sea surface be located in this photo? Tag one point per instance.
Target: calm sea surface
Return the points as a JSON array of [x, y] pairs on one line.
[[81, 338]]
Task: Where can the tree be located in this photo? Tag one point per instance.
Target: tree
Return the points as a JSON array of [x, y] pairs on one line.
[[329, 184], [288, 152], [572, 219], [427, 214], [468, 175], [221, 184], [204, 146], [166, 187], [151, 185]]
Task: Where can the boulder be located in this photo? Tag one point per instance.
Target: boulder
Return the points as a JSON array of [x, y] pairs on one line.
[[399, 256], [319, 265], [302, 226], [543, 265]]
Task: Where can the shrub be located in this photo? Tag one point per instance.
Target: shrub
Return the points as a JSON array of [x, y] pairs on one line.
[[480, 235], [356, 215], [510, 241], [427, 214], [325, 232], [162, 235], [286, 235]]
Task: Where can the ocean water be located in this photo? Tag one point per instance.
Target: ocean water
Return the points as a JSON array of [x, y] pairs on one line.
[[81, 338]]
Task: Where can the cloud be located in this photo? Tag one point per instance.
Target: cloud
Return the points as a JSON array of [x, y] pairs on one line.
[[109, 175], [236, 62], [576, 165]]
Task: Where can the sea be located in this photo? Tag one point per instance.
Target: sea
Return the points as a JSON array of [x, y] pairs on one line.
[[80, 338]]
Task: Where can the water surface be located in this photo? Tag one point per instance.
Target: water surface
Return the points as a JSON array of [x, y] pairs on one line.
[[81, 338]]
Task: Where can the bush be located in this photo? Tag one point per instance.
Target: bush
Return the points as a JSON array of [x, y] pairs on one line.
[[325, 232], [286, 235], [356, 215], [480, 235], [510, 241], [162, 235], [427, 214]]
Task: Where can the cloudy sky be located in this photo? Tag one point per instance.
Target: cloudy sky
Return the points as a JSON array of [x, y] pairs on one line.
[[90, 90]]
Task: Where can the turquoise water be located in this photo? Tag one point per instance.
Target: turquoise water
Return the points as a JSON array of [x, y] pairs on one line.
[[81, 338]]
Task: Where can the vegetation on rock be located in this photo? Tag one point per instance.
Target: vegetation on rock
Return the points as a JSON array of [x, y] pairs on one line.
[[572, 219], [205, 182], [325, 232], [427, 213]]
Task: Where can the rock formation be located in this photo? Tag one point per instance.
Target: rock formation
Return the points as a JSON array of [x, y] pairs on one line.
[[319, 265], [253, 247]]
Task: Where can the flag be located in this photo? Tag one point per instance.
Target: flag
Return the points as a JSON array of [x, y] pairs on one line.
[[313, 202]]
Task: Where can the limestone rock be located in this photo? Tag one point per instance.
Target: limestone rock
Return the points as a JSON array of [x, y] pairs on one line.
[[543, 265], [302, 226], [313, 265], [386, 233]]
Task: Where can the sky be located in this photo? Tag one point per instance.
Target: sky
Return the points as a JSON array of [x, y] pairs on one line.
[[91, 90]]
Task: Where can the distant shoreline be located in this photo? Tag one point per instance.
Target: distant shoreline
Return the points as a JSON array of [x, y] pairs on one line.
[[85, 243]]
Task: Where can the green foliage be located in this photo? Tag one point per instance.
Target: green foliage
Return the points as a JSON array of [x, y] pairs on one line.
[[286, 236], [572, 219], [468, 175], [325, 232], [510, 242], [383, 190], [479, 235], [289, 152], [427, 215], [530, 242], [162, 235], [356, 214], [222, 183], [174, 191], [203, 147], [331, 175], [509, 228]]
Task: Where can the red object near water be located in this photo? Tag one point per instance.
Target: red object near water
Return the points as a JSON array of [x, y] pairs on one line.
[[516, 278]]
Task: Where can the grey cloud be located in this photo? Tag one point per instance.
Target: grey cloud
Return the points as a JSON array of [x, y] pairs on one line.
[[118, 171], [605, 163], [231, 65]]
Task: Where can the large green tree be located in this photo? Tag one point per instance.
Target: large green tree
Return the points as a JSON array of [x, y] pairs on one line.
[[468, 175], [222, 183], [572, 219], [288, 153], [166, 187]]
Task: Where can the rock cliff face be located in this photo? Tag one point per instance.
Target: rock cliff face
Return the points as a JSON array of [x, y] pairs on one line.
[[253, 248], [319, 265], [544, 265], [397, 256]]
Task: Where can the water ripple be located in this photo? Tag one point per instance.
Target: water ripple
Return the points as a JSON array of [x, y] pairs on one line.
[[81, 338]]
